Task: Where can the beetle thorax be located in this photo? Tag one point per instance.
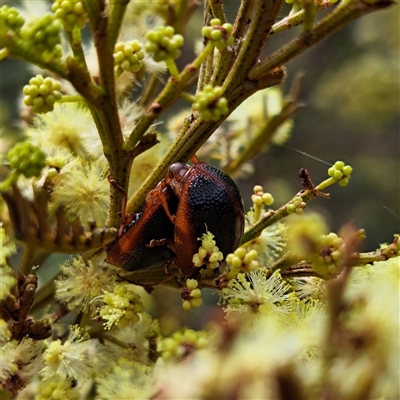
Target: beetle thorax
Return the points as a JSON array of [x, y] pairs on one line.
[[176, 175]]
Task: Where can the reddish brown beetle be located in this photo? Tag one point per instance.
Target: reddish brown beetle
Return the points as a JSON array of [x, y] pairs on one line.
[[131, 250], [188, 202], [209, 200]]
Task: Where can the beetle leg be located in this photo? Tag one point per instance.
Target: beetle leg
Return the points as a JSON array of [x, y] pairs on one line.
[[194, 159], [164, 203]]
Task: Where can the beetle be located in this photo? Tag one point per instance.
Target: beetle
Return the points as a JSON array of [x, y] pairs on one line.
[[188, 202], [132, 250], [209, 200]]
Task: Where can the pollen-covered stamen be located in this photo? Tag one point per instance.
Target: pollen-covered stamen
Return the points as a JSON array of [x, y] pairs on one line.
[[122, 307], [208, 253]]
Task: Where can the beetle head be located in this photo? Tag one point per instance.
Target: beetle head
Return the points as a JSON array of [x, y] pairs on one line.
[[176, 175]]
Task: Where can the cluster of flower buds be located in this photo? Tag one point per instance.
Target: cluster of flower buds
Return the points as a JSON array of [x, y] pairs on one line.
[[183, 343], [210, 103], [260, 199], [208, 253], [27, 159], [340, 172], [10, 19], [56, 386], [122, 307], [164, 44], [71, 13], [219, 35], [191, 295], [128, 56], [42, 93], [326, 261], [43, 35], [297, 206], [242, 260]]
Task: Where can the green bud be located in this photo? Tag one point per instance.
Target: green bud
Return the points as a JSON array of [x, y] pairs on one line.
[[343, 182], [347, 170], [338, 175], [339, 164], [240, 252], [27, 159]]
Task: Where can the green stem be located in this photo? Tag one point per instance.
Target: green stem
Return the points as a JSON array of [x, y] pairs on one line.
[[100, 128], [11, 179], [85, 320], [44, 293], [264, 15], [282, 263], [117, 12], [257, 211], [181, 14], [361, 259], [188, 97], [206, 72], [346, 12], [27, 257], [295, 19], [79, 76], [202, 57], [57, 66], [119, 71], [69, 98], [217, 10], [106, 107], [225, 58], [309, 15], [170, 94], [172, 68], [75, 42], [94, 10], [149, 91], [95, 331], [326, 183], [114, 340]]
